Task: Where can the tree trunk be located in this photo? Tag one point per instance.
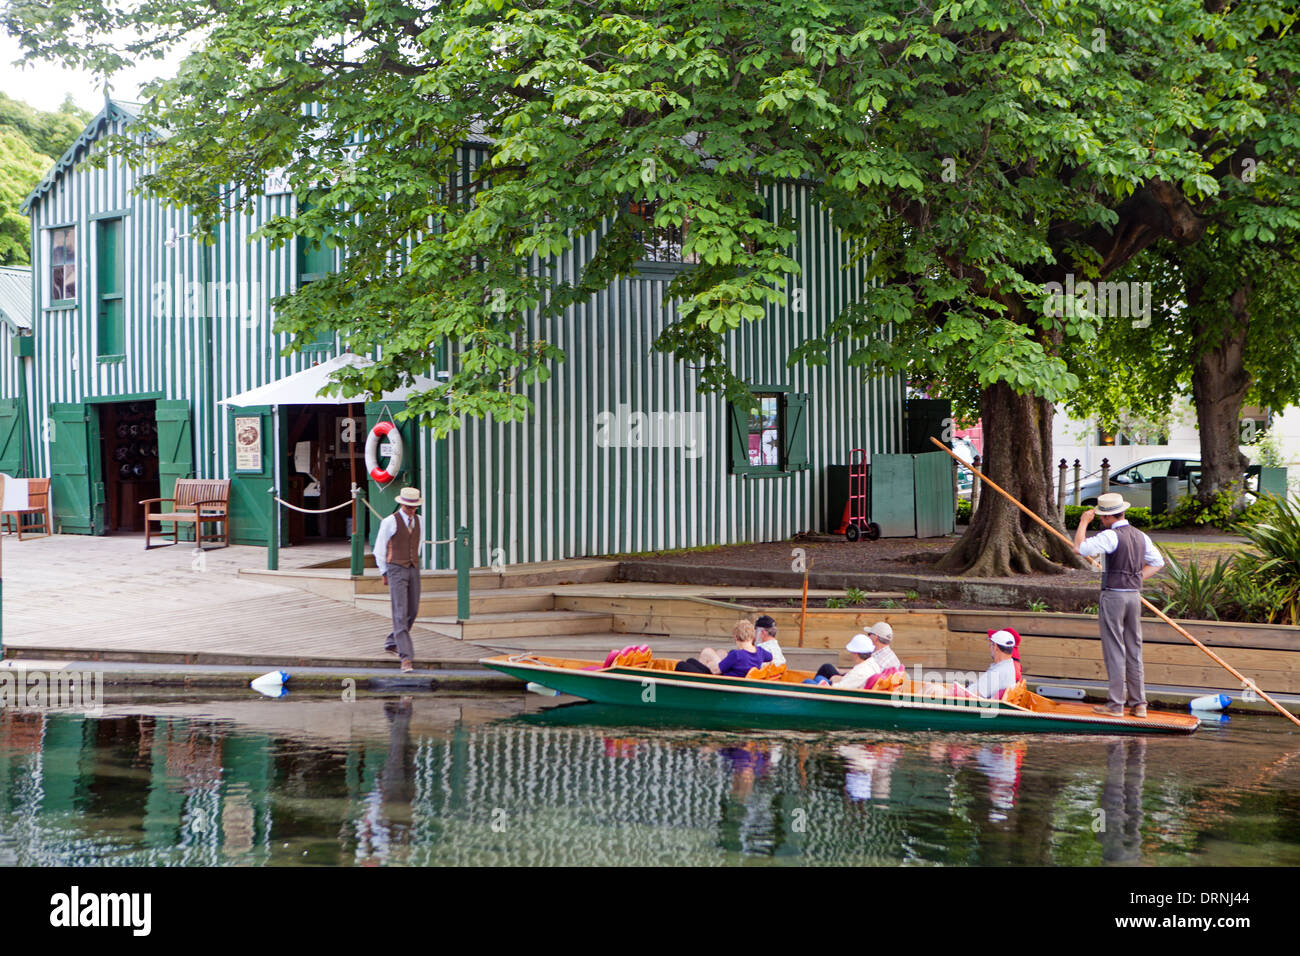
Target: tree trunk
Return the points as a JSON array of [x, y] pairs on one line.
[[1219, 385], [1001, 540]]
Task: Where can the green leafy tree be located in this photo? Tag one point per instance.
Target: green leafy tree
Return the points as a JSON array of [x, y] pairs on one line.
[[976, 151], [29, 142]]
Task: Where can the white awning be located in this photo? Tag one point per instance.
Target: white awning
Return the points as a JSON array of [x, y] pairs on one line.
[[303, 388]]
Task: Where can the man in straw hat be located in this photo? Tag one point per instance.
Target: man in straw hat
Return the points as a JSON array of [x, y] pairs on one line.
[[1130, 558], [398, 548]]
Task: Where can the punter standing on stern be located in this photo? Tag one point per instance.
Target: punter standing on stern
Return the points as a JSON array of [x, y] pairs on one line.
[[398, 548], [1130, 558]]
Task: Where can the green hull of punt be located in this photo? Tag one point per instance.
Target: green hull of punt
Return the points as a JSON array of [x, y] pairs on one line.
[[804, 704]]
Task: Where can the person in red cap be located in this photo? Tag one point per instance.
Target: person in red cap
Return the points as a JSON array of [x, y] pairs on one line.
[[1015, 653]]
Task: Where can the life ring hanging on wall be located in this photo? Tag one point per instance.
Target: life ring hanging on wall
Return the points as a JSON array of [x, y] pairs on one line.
[[394, 467]]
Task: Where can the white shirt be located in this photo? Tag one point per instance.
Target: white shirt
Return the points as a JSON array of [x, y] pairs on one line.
[[1107, 541], [857, 678], [388, 528], [1000, 676]]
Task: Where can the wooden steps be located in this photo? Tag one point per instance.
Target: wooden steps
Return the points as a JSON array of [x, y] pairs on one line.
[[444, 603], [494, 627]]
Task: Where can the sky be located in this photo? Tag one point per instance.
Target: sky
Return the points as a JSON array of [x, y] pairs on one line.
[[44, 85]]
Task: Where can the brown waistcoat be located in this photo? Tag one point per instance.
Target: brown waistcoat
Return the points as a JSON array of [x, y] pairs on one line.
[[404, 545], [1124, 564]]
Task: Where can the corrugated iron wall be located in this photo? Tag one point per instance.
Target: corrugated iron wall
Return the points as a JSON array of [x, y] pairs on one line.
[[540, 490]]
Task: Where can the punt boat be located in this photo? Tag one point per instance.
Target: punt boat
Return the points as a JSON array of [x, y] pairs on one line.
[[654, 684]]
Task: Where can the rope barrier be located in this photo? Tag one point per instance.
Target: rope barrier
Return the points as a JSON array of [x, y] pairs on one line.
[[313, 511], [372, 508]]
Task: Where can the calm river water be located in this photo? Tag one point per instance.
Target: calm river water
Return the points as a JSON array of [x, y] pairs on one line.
[[505, 780]]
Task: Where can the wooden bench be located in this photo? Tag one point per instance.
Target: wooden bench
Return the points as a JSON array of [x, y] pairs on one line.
[[198, 501], [37, 511]]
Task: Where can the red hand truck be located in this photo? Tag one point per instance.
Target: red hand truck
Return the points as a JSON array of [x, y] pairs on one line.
[[855, 524]]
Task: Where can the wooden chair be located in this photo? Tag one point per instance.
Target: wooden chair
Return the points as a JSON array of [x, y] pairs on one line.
[[198, 501], [37, 511]]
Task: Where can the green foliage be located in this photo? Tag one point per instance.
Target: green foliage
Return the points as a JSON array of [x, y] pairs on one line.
[[911, 595], [891, 604], [836, 603], [1192, 593], [1036, 605], [855, 596], [30, 140], [973, 153], [1091, 609], [1221, 512], [1276, 568], [1137, 517]]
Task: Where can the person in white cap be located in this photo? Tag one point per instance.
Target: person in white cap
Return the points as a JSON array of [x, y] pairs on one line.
[[1001, 674], [399, 547], [1130, 558], [882, 636]]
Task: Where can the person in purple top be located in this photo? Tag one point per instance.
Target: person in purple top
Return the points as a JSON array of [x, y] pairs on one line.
[[745, 655]]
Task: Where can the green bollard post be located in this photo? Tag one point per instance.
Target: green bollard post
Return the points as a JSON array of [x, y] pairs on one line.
[[463, 561], [273, 534], [358, 566]]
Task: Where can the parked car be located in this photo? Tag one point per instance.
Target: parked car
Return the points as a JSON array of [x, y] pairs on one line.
[[1133, 481]]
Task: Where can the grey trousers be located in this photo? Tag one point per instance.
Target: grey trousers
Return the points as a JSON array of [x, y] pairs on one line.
[[1120, 614], [404, 593]]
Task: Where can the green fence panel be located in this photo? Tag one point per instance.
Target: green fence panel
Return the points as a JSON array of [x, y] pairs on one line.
[[936, 512], [893, 495]]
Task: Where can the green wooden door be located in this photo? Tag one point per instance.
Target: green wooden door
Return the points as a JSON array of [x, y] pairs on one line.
[[935, 504], [175, 444], [76, 487], [175, 451], [11, 437], [250, 504], [893, 495], [384, 497]]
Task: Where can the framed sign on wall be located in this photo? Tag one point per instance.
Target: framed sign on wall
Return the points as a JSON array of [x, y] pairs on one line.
[[248, 443]]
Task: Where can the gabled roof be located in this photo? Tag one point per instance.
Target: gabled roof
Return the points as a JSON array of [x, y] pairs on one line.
[[113, 111], [16, 298]]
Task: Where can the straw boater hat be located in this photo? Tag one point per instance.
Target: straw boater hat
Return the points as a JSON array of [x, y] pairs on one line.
[[1112, 504], [410, 496]]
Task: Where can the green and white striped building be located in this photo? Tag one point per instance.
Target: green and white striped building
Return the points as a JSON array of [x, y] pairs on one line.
[[136, 323]]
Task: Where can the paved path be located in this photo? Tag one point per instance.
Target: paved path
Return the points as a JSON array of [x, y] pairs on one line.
[[108, 595]]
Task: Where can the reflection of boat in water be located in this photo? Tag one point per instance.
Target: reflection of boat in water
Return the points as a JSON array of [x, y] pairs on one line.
[[653, 687]]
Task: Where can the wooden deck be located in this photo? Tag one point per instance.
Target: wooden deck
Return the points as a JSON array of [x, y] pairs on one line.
[[107, 599]]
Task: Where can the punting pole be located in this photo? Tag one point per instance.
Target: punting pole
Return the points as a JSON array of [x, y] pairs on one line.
[[1246, 682], [803, 610]]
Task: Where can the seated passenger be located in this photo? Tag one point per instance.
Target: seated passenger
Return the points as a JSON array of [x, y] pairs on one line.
[[737, 663], [745, 656], [864, 671], [1001, 675], [882, 636], [1015, 654], [765, 637]]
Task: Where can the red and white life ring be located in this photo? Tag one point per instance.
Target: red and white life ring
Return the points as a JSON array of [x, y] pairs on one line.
[[394, 467]]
